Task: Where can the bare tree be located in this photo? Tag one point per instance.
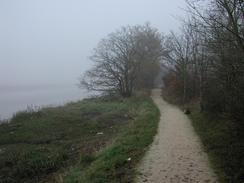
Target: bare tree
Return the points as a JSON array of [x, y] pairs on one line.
[[179, 56], [120, 59], [149, 52], [221, 15]]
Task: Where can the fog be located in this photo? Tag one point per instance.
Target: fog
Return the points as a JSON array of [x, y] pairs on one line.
[[49, 41]]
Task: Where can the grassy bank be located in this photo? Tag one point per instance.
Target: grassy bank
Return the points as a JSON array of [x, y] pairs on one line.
[[78, 141], [222, 139], [117, 162], [224, 143]]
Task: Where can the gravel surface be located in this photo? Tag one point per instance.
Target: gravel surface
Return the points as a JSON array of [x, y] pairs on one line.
[[176, 154]]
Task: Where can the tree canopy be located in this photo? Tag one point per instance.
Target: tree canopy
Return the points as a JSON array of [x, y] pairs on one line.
[[125, 60]]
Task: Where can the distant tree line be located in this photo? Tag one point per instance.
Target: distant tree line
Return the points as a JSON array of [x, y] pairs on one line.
[[206, 60], [125, 61]]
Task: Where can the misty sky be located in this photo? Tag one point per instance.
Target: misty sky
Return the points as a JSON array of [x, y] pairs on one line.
[[49, 41]]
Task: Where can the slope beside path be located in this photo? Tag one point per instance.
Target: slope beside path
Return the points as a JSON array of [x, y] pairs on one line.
[[176, 155]]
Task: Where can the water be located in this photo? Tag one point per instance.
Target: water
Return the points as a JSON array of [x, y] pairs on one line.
[[17, 98]]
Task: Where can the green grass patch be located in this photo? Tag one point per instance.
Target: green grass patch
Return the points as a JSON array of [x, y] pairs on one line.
[[117, 162], [77, 141], [224, 143]]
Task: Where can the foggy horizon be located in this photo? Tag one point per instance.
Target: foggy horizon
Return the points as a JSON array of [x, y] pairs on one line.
[[49, 42]]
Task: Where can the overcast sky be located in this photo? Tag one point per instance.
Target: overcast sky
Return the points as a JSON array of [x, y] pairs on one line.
[[49, 41]]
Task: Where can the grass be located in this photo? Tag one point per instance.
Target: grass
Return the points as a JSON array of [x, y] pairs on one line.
[[117, 163], [85, 141], [224, 143]]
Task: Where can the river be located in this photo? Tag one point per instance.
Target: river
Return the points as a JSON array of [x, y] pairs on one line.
[[17, 98]]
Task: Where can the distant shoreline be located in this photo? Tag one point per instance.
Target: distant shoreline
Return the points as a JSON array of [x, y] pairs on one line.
[[19, 100], [35, 108]]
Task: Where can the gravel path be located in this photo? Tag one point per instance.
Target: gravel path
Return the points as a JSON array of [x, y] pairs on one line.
[[176, 154]]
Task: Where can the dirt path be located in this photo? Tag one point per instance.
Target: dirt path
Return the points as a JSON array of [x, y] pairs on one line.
[[176, 154]]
